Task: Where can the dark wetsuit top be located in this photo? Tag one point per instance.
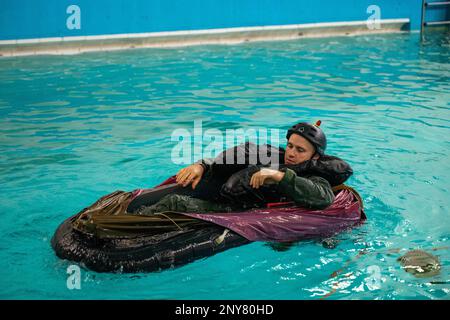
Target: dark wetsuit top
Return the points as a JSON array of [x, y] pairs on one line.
[[310, 192]]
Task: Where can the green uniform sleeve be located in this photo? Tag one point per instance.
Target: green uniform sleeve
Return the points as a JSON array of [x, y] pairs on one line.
[[309, 192]]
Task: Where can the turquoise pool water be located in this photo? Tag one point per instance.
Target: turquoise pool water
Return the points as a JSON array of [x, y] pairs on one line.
[[74, 128]]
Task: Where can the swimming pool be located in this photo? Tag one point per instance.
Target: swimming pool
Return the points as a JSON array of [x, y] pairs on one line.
[[74, 128]]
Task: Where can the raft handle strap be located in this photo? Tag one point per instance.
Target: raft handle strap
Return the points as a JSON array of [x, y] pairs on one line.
[[221, 238]]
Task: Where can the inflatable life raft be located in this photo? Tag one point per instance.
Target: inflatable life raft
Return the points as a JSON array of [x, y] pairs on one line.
[[108, 237]]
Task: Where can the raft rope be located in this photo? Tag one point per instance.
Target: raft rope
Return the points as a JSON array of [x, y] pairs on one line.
[[164, 215]]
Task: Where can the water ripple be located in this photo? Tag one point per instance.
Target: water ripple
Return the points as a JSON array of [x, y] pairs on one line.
[[74, 128]]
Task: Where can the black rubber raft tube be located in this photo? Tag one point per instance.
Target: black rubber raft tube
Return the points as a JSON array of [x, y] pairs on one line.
[[143, 252]]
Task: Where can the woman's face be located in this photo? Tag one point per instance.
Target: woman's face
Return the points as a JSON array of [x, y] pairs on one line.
[[298, 150]]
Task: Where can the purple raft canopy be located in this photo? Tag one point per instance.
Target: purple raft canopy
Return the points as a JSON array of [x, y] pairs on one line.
[[289, 224]]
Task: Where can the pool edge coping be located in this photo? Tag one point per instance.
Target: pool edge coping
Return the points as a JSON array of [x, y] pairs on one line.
[[173, 39]]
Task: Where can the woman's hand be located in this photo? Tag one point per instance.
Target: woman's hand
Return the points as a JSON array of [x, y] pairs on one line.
[[266, 176], [191, 174]]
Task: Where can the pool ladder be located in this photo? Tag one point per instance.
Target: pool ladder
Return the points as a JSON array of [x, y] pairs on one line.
[[427, 4]]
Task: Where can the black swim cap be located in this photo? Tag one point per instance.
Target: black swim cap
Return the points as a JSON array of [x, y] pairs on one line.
[[312, 133]]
